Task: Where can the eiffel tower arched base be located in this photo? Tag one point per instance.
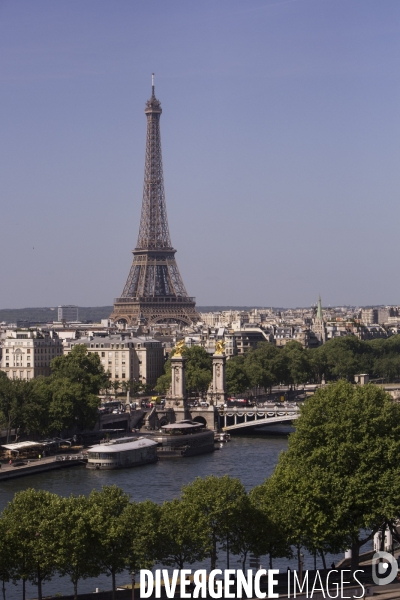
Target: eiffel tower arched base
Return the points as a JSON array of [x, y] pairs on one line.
[[151, 311]]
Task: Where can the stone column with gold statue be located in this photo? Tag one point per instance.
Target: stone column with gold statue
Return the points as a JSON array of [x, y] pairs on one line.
[[217, 391], [176, 396]]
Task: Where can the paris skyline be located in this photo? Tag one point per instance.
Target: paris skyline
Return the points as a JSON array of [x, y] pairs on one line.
[[280, 147]]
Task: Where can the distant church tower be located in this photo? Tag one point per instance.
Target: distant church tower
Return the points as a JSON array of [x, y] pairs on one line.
[[154, 291], [318, 326]]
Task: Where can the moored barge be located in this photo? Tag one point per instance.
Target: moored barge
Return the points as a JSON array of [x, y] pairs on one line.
[[183, 438], [122, 453]]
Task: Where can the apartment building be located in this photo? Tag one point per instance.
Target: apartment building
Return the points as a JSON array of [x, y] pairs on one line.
[[124, 357], [28, 353]]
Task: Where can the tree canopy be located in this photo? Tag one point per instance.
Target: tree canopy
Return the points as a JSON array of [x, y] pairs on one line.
[[344, 453], [30, 522], [213, 501], [292, 365]]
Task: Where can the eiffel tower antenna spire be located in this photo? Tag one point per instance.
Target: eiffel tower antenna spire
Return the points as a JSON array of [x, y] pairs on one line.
[[154, 290]]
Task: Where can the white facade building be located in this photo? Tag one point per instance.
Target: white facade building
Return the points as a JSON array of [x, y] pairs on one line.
[[123, 357], [28, 353]]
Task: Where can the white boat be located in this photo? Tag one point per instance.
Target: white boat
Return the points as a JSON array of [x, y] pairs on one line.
[[121, 453]]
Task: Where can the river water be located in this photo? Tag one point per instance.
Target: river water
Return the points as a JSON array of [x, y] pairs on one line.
[[250, 458]]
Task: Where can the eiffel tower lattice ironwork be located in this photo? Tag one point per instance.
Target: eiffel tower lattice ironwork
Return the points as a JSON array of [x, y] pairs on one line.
[[154, 291]]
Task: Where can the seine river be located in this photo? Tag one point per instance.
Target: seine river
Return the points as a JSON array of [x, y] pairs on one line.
[[252, 459]]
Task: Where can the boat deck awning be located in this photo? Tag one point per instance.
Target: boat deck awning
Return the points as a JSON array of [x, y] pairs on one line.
[[111, 448], [18, 446]]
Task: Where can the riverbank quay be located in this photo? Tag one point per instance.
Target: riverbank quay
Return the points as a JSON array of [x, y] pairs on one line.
[[24, 468]]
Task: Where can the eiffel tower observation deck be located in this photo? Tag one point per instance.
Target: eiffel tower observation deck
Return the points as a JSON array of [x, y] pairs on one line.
[[154, 291]]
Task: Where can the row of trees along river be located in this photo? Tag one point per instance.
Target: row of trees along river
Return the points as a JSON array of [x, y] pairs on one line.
[[336, 485]]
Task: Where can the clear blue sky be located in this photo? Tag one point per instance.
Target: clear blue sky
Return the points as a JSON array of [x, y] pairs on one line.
[[280, 133]]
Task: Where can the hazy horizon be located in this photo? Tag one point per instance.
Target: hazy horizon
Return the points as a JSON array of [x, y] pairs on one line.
[[280, 138], [210, 308]]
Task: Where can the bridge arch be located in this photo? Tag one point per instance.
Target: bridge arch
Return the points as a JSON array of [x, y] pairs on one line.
[[122, 321], [160, 320], [200, 419]]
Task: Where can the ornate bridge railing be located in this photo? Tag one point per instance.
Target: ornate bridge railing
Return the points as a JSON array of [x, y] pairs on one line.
[[254, 417]]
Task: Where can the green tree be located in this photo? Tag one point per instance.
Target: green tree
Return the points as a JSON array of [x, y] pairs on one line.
[[8, 564], [270, 537], [107, 385], [69, 397], [298, 369], [386, 357], [125, 386], [253, 530], [281, 499], [318, 364], [340, 476], [163, 383], [110, 529], [76, 537], [81, 367], [135, 387], [182, 538], [141, 520], [36, 409], [30, 519], [260, 365], [244, 527], [237, 379], [387, 366], [198, 369], [116, 386], [147, 388], [14, 393], [346, 356], [213, 502]]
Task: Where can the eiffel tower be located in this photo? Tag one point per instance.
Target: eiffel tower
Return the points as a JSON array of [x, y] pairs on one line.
[[154, 291]]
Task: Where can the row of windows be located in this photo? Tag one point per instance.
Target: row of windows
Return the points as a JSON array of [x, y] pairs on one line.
[[38, 351], [110, 362], [21, 375], [112, 346], [55, 343], [36, 364], [116, 375], [104, 456]]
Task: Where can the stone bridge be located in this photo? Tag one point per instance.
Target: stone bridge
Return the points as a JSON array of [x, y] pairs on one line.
[[240, 418], [160, 416], [124, 420]]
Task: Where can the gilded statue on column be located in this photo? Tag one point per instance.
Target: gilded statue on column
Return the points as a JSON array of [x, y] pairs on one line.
[[220, 347], [179, 348]]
